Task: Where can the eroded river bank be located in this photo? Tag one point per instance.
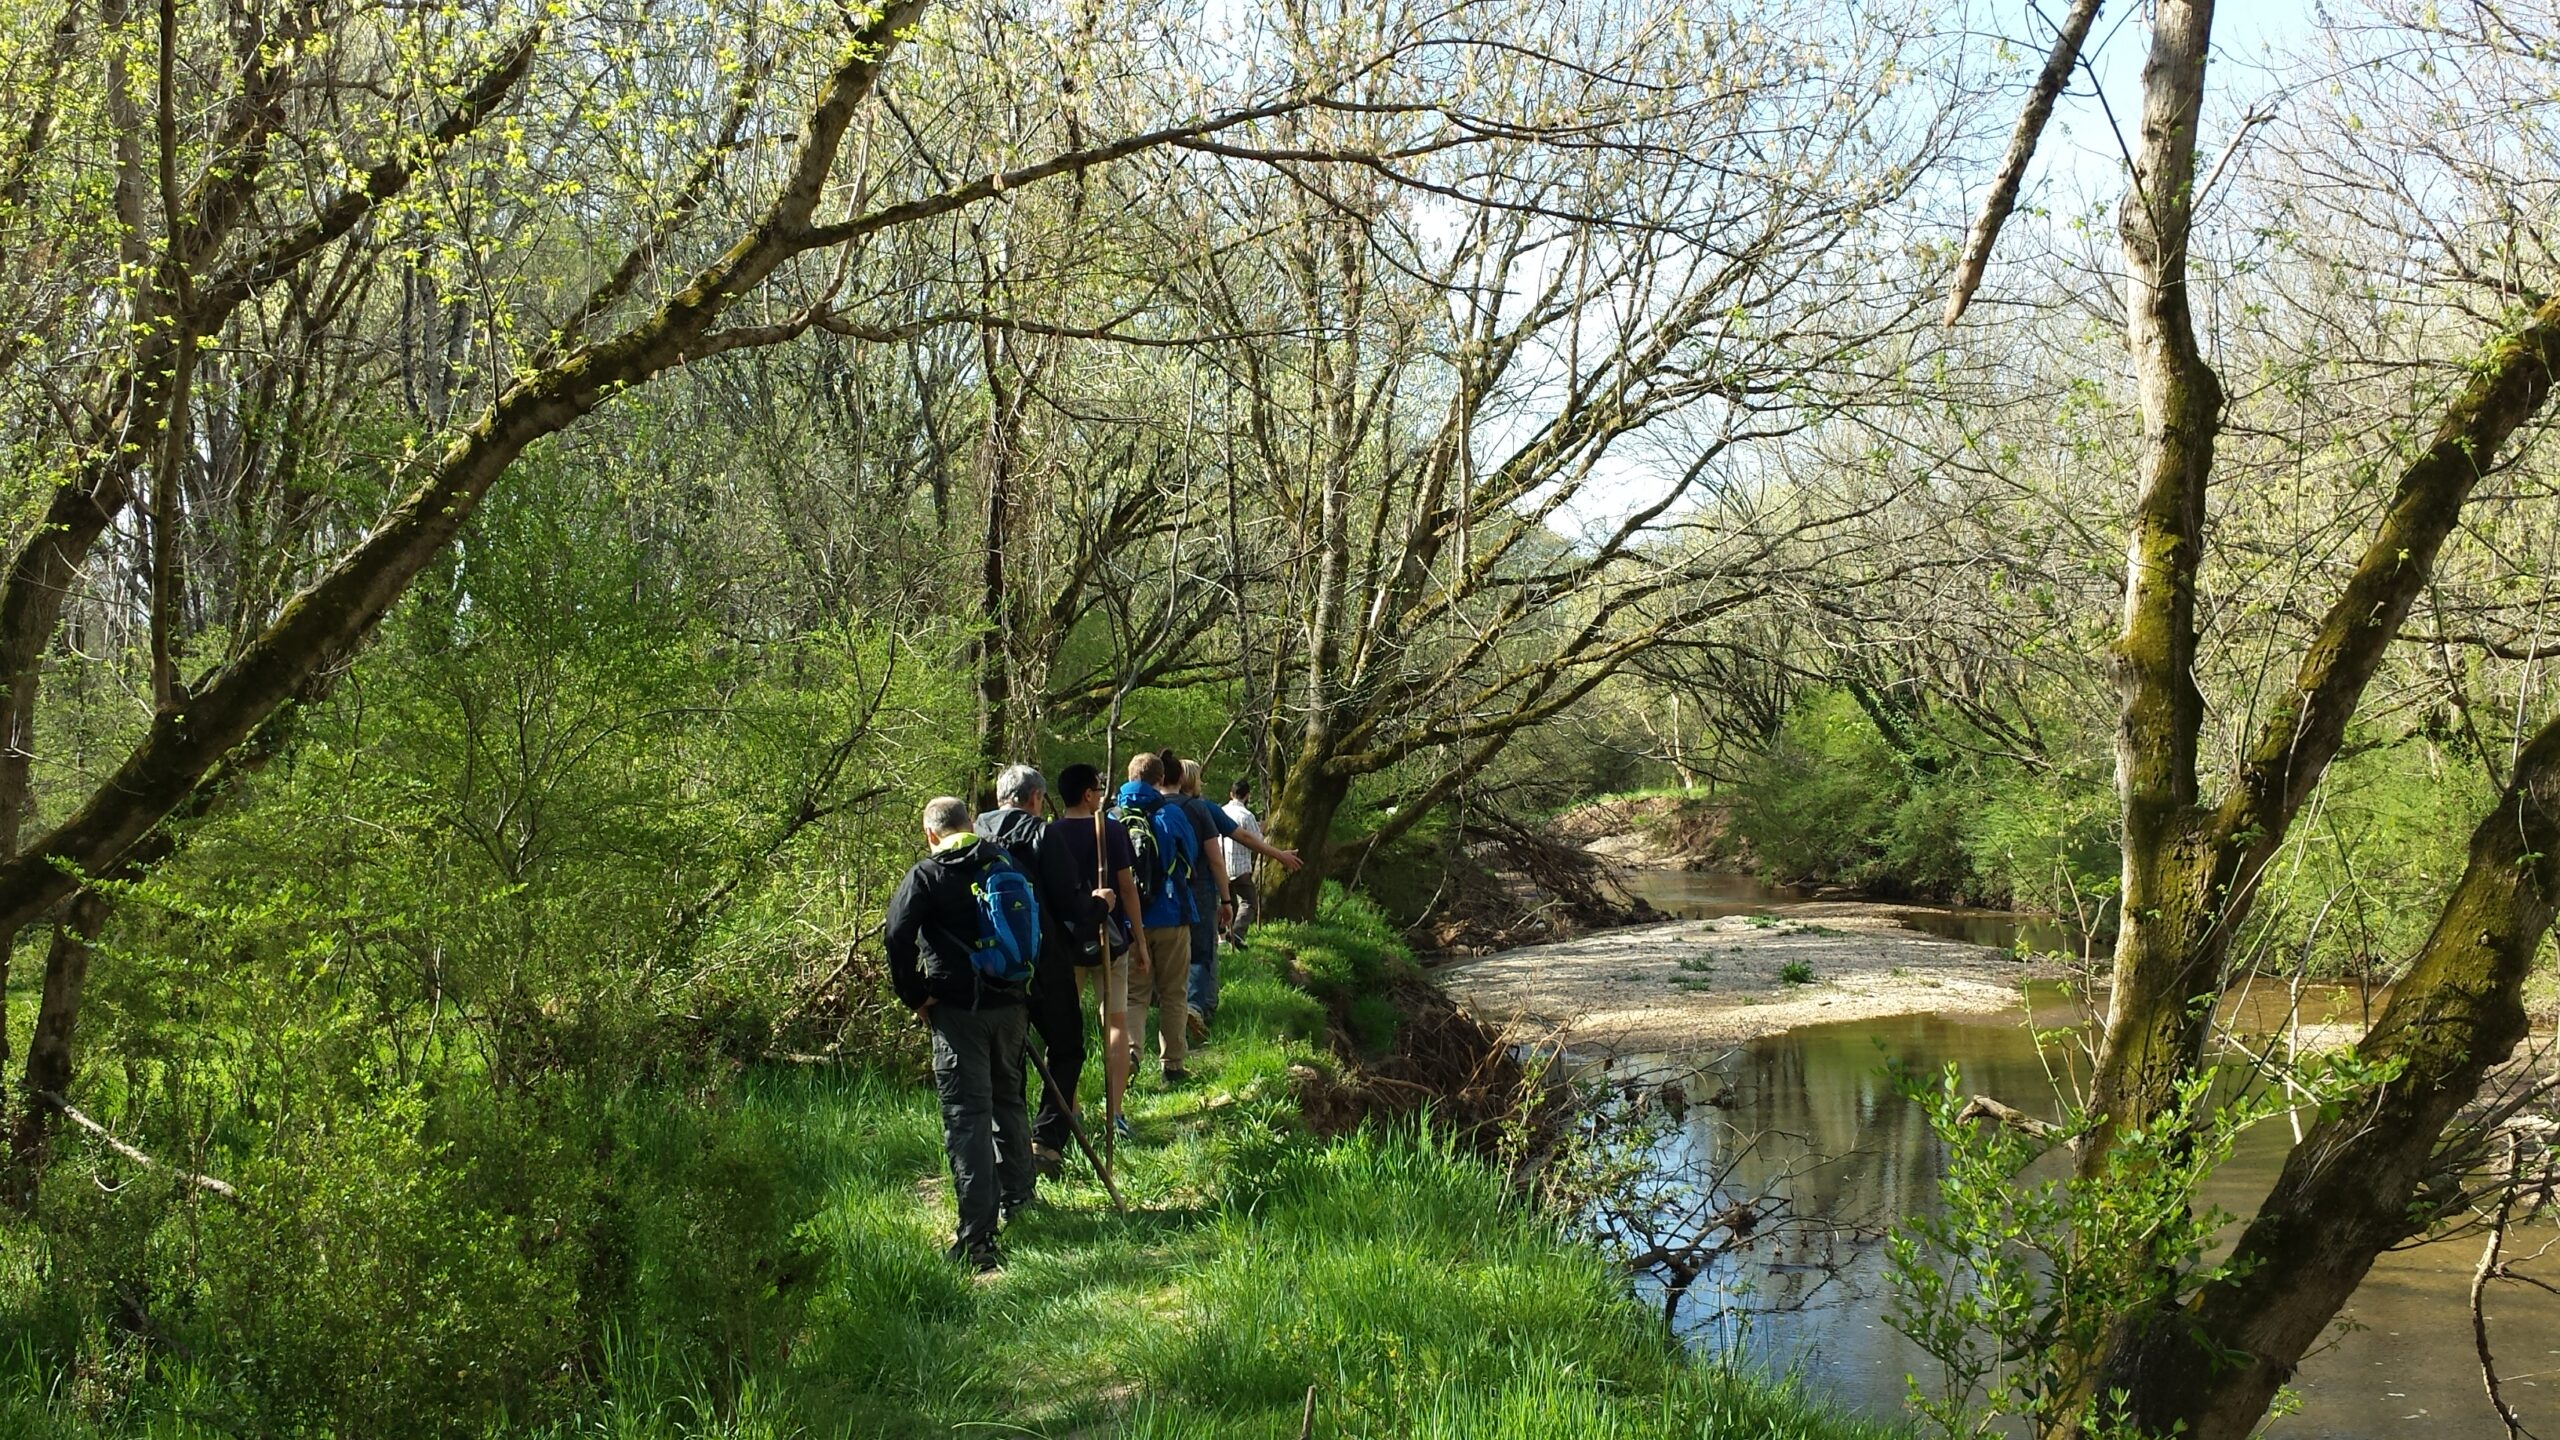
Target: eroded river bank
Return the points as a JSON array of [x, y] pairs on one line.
[[1787, 1094]]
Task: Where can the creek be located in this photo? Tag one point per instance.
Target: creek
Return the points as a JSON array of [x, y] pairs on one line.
[[1810, 1115], [1707, 895]]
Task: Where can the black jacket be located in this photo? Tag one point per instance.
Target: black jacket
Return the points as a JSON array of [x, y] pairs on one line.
[[933, 926], [1066, 898]]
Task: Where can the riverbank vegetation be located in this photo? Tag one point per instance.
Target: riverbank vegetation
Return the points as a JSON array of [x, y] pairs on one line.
[[1833, 801], [756, 1252]]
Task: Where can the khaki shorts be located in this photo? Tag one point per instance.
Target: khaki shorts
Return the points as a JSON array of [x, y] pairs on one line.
[[1106, 986]]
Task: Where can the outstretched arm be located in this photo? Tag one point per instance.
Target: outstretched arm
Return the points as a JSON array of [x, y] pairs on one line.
[[1288, 859]]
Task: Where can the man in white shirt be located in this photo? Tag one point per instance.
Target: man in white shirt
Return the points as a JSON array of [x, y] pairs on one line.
[[1240, 859]]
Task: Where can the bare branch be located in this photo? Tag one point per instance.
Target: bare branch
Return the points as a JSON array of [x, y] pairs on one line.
[[2022, 148], [106, 1137]]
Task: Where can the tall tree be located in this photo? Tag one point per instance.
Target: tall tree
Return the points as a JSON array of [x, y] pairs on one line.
[[1527, 432], [257, 157], [2384, 1165]]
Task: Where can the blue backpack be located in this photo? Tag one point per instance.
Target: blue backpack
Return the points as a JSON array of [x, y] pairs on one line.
[[1165, 848], [1008, 924]]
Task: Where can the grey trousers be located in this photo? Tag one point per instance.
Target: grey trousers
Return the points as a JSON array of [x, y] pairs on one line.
[[977, 1068]]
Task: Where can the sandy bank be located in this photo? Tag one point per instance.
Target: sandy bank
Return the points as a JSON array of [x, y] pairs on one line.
[[1693, 983]]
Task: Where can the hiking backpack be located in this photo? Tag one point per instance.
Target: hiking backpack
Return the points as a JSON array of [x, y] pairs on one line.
[[1155, 837], [1008, 924], [1146, 855]]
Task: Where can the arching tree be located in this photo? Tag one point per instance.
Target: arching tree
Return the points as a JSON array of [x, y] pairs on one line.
[[2397, 1154]]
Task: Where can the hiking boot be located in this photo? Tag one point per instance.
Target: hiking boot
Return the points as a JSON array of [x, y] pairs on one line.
[[1012, 1209], [1196, 1026], [1048, 1164], [1173, 1076], [983, 1257]]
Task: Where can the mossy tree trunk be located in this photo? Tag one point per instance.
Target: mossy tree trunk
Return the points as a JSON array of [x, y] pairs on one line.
[[2376, 1173], [1310, 798]]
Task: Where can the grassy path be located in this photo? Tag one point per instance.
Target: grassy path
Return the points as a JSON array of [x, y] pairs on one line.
[[1392, 1275]]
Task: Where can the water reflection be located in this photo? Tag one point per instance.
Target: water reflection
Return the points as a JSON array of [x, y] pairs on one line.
[[1830, 1130], [1712, 895]]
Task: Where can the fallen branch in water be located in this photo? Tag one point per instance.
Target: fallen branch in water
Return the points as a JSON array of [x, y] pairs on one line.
[[107, 1138], [1983, 1107], [2490, 1269]]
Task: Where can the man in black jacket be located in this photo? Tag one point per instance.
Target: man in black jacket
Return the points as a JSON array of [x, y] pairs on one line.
[[977, 1025], [1017, 824]]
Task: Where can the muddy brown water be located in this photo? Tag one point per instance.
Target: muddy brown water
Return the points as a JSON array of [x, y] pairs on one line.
[[1710, 895], [1812, 1114]]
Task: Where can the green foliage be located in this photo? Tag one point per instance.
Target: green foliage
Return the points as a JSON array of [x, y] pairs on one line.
[[428, 1269], [1795, 972], [1350, 957], [2010, 1286], [1828, 789], [455, 992], [2363, 883], [1943, 818], [2352, 894]]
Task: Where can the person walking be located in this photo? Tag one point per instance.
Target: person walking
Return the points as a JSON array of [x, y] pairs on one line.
[[961, 950], [1231, 856], [1018, 826], [1240, 881], [1161, 976], [1211, 902], [1105, 929]]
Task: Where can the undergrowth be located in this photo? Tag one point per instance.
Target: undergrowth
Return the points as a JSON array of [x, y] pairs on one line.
[[1391, 1271]]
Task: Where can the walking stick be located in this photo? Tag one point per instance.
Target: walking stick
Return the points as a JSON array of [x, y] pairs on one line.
[[1102, 946], [1075, 1127]]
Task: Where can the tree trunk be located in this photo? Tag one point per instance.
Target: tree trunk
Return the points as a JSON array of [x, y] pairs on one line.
[[66, 975], [990, 654], [2170, 931], [998, 614], [1301, 818], [2376, 1172]]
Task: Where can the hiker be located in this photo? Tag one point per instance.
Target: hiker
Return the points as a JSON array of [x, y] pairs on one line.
[[963, 937], [1240, 881], [1016, 824], [1214, 894], [1105, 929], [1168, 856]]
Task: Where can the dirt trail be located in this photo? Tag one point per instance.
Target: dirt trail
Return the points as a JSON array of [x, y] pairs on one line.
[[1694, 983]]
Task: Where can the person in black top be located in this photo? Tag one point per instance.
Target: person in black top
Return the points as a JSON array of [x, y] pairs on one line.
[[1109, 912], [977, 1025], [1016, 824]]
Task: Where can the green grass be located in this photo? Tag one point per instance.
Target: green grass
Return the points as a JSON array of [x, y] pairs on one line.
[[1394, 1274], [1348, 957]]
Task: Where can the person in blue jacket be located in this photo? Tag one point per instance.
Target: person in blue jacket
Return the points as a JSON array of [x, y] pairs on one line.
[[1166, 911]]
